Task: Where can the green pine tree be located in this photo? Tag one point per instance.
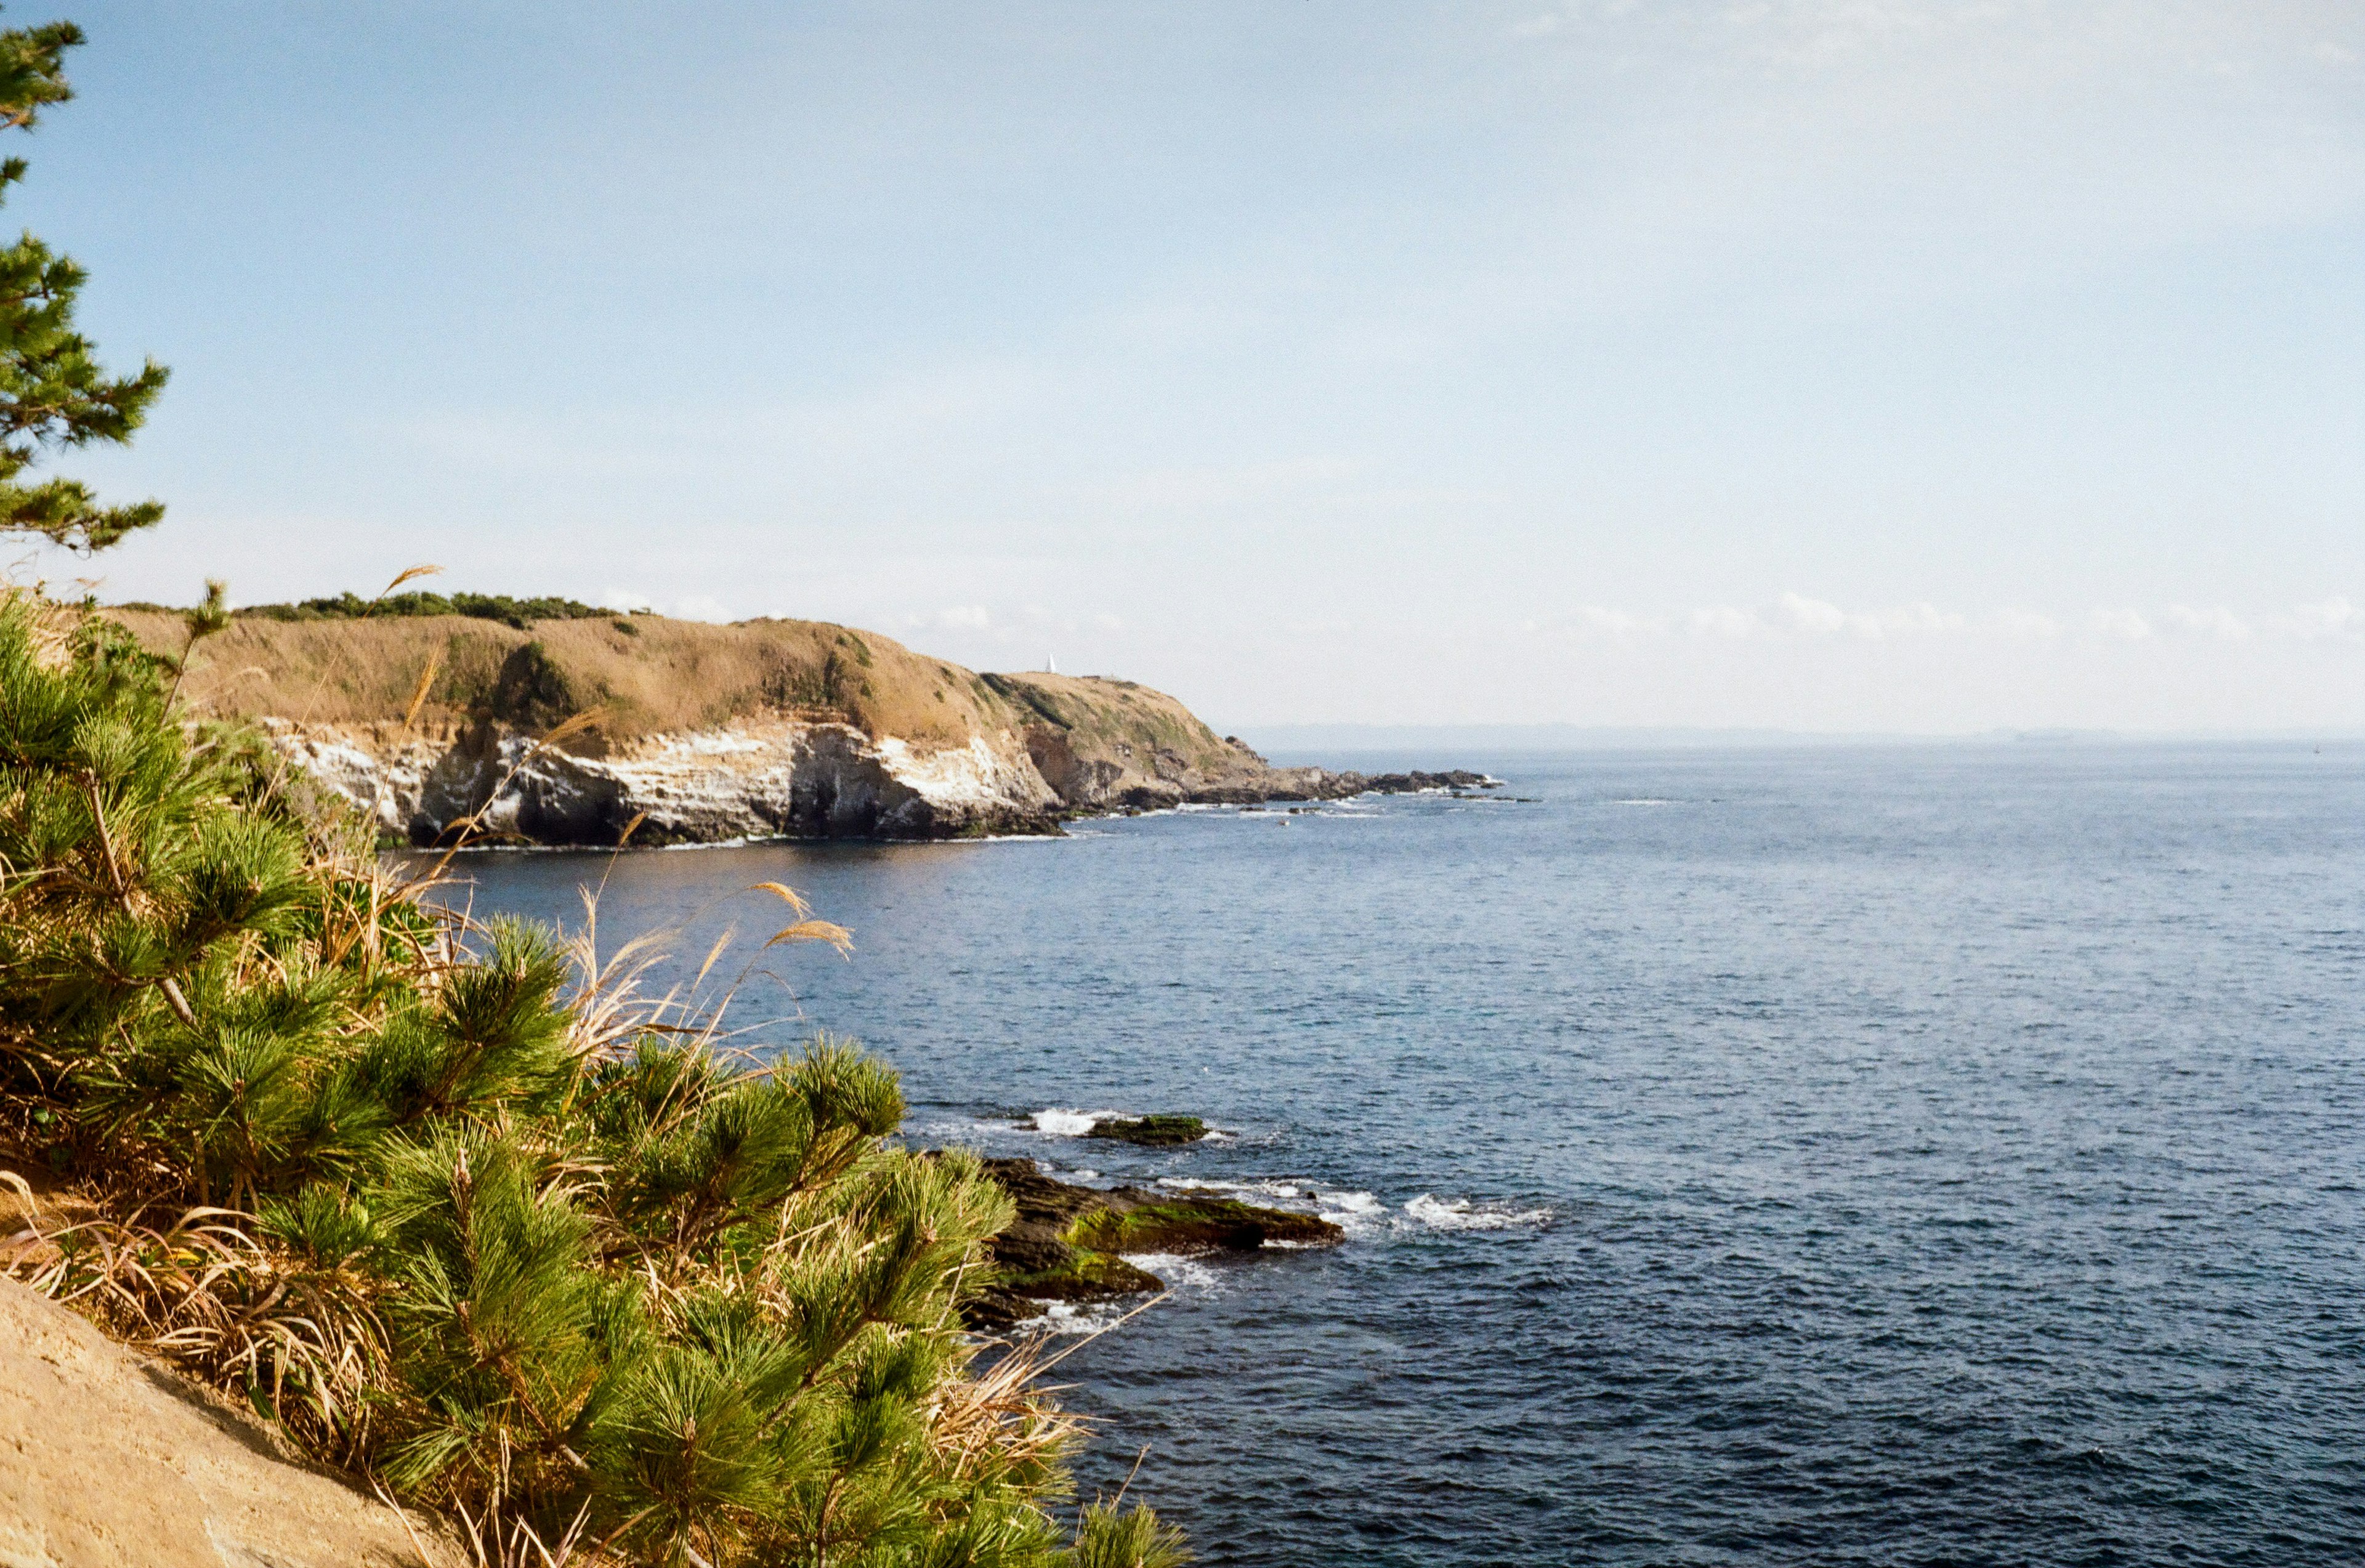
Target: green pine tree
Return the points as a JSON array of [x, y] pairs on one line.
[[53, 391], [434, 1218]]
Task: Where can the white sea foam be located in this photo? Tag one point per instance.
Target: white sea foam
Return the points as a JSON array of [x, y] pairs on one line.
[[1206, 1184], [1646, 801], [1060, 1122], [1075, 1318], [966, 1131], [1179, 1272], [1349, 1210], [1461, 1214]]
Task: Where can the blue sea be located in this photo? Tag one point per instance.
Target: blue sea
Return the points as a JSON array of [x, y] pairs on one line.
[[1933, 1154]]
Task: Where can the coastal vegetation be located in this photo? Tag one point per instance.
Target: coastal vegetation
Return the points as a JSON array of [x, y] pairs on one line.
[[520, 613], [457, 1206], [626, 677], [454, 1207], [53, 392]]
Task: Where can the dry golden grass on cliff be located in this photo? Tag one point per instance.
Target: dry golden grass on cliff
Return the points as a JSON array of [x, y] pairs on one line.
[[645, 673], [1098, 713], [649, 675]]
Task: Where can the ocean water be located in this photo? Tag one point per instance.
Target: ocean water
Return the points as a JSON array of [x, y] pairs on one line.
[[1950, 1153]]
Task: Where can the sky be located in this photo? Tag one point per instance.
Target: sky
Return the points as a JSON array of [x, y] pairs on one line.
[[1898, 365]]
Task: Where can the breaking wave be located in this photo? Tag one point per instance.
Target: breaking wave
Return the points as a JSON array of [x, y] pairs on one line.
[[1461, 1214]]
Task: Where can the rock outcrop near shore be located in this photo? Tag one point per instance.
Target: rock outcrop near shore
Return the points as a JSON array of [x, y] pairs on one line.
[[1069, 1243], [569, 731]]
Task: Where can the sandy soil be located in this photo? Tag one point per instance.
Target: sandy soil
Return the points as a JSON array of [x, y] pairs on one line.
[[110, 1460]]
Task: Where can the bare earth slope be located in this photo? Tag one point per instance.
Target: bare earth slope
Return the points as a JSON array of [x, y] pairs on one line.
[[108, 1460], [703, 733]]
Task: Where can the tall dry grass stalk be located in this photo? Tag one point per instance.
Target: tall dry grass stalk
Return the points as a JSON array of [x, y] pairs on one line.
[[199, 1288]]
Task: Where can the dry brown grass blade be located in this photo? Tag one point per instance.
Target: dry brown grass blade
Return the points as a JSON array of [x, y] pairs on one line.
[[629, 828], [568, 729], [712, 955], [498, 1542], [205, 1292], [426, 684], [825, 931], [1002, 1412], [408, 574], [797, 903]]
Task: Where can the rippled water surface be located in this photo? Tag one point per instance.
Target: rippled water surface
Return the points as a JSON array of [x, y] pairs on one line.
[[1930, 1155]]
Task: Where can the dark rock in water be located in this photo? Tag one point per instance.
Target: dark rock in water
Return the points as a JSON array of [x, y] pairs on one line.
[[1153, 1132], [1413, 783], [1066, 1243]]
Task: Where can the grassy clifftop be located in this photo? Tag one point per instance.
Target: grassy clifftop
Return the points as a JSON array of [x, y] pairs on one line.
[[645, 674], [1100, 744], [1098, 714]]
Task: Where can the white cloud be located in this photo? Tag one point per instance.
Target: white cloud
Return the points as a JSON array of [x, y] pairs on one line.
[[2333, 618], [2217, 621], [698, 607], [2024, 625], [1222, 487], [1615, 622], [686, 607], [1723, 620], [1921, 616], [964, 618], [1800, 614], [2125, 625], [1797, 615]]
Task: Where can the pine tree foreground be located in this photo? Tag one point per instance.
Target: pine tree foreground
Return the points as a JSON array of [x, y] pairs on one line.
[[53, 392], [452, 1204]]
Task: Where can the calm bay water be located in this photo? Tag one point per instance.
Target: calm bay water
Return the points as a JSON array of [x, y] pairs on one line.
[[1946, 1154]]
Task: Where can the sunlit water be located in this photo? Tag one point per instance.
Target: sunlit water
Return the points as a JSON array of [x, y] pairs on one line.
[[1930, 1155]]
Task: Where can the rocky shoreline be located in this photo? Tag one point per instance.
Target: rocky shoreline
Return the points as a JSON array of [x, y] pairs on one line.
[[778, 779], [1069, 1243]]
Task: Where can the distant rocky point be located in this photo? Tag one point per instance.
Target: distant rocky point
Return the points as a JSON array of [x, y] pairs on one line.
[[572, 729]]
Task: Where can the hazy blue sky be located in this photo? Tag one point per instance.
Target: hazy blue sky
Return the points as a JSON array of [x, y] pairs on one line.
[[1821, 364]]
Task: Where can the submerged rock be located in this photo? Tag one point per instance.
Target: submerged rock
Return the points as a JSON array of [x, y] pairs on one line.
[[1068, 1242], [1151, 1132]]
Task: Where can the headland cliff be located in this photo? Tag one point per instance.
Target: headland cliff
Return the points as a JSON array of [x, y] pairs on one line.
[[570, 731]]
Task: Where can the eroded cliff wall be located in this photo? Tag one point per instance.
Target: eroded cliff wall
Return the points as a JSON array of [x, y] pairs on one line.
[[569, 731]]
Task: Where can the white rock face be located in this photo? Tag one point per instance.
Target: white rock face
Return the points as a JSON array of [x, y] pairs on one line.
[[749, 780]]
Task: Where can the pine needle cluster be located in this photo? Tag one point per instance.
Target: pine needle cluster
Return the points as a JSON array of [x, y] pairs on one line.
[[53, 391], [454, 1207]]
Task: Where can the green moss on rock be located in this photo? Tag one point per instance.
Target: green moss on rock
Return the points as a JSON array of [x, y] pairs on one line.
[[1154, 1132]]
